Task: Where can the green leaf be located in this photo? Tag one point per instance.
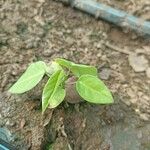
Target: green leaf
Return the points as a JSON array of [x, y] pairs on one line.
[[54, 66], [64, 63], [30, 78], [53, 93], [77, 69], [93, 90], [57, 98]]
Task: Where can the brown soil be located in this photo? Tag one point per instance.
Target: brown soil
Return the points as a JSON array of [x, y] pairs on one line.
[[46, 29]]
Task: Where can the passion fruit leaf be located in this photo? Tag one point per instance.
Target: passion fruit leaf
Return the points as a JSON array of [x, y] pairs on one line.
[[54, 66], [52, 91], [57, 98], [77, 69], [64, 63], [93, 90], [30, 78]]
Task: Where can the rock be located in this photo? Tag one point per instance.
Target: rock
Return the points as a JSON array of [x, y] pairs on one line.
[[138, 62], [47, 53], [144, 116], [41, 1], [105, 73], [71, 94], [10, 123], [39, 20], [148, 72]]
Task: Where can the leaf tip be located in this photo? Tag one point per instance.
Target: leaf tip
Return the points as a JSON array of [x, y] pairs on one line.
[[111, 100], [11, 90]]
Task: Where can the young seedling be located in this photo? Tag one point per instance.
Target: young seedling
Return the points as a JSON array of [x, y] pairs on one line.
[[88, 85]]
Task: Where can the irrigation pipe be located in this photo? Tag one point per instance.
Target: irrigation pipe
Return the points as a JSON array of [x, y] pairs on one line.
[[117, 17]]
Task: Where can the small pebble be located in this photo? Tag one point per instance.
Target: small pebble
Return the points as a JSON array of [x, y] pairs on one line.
[[138, 62], [148, 72], [144, 117], [105, 74], [10, 123]]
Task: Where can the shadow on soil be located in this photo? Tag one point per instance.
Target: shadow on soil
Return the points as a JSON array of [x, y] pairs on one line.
[[92, 127]]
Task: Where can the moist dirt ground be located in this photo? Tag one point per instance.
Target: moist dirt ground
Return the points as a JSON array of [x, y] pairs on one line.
[[32, 30]]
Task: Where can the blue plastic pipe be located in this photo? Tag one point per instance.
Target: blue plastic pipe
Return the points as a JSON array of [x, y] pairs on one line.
[[110, 14]]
